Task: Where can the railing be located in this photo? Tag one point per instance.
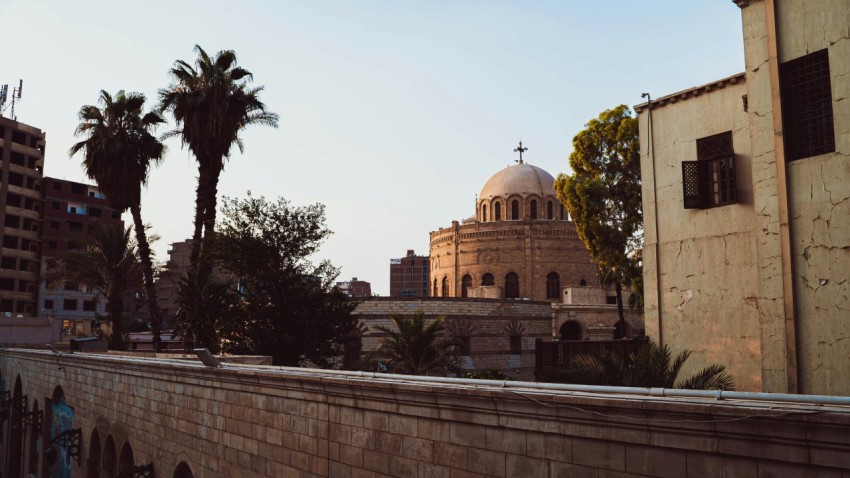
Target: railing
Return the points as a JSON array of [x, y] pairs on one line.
[[556, 354]]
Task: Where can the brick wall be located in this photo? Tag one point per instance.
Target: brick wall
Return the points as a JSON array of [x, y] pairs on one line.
[[272, 422]]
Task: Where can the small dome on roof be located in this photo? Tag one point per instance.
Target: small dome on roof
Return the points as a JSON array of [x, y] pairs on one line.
[[522, 179]]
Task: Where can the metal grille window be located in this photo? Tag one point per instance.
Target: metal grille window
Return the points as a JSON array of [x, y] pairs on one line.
[[710, 181], [806, 92]]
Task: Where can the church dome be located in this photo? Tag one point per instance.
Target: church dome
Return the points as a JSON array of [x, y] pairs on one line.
[[522, 179]]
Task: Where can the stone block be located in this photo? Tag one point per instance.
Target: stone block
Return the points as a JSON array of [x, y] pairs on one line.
[[506, 440], [568, 470], [418, 449], [487, 462], [388, 443], [599, 453], [403, 425], [466, 434], [550, 446], [402, 466], [376, 461], [351, 455], [516, 465], [450, 455], [653, 461], [705, 464]]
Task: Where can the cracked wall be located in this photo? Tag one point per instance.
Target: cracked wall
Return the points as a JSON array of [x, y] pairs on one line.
[[708, 260], [819, 202]]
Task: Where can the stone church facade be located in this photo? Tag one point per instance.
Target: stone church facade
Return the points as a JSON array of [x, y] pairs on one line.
[[519, 244]]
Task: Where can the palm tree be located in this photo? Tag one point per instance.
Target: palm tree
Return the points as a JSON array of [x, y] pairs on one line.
[[211, 104], [107, 264], [650, 366], [416, 347], [118, 152]]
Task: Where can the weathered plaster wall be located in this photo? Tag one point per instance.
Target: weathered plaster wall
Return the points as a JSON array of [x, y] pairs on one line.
[[274, 422], [819, 201], [708, 266]]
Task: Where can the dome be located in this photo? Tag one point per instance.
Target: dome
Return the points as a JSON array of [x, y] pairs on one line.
[[522, 178]]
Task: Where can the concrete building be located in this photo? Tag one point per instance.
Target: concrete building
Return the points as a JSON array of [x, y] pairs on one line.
[[746, 191], [168, 282], [520, 243], [22, 155], [356, 288], [70, 208], [409, 275]]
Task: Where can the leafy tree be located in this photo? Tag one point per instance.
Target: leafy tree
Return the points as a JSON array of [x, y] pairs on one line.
[[415, 346], [118, 152], [107, 264], [650, 366], [211, 103], [288, 307], [603, 195]]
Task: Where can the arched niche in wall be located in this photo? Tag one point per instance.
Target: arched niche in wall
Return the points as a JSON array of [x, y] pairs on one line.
[[183, 471], [93, 461], [125, 460]]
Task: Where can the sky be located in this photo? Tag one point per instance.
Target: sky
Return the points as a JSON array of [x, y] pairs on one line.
[[393, 113]]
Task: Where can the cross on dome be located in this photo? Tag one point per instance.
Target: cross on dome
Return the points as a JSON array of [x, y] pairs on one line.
[[520, 150]]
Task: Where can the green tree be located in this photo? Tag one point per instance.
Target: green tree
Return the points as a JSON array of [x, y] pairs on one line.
[[288, 307], [211, 104], [106, 264], [415, 346], [650, 366], [603, 195], [119, 150]]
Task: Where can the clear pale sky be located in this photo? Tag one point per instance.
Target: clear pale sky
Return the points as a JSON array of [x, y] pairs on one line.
[[393, 113]]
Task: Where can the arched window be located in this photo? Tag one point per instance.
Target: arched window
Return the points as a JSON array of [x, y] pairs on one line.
[[488, 279], [515, 210], [484, 213], [533, 209], [445, 291], [182, 471], [549, 212], [465, 284], [512, 286], [126, 460], [497, 211], [553, 285], [434, 291], [109, 460], [93, 463]]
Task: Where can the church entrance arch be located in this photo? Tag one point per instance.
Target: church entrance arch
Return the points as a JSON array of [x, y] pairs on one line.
[[571, 330]]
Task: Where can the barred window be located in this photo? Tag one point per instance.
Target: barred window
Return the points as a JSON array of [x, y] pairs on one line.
[[710, 180], [806, 92]]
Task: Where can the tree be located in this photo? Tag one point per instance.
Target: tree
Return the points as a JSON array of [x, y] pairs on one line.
[[118, 152], [211, 104], [107, 264], [417, 347], [650, 366], [603, 195], [288, 307]]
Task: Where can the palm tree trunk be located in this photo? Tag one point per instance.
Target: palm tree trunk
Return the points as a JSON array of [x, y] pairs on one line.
[[200, 202], [147, 270], [210, 212]]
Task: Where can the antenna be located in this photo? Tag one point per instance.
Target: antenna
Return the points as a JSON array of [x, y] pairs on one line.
[[16, 97]]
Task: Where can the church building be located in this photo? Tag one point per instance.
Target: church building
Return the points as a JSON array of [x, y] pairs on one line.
[[519, 244]]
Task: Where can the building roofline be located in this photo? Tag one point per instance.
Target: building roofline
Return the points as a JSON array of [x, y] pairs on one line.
[[693, 92]]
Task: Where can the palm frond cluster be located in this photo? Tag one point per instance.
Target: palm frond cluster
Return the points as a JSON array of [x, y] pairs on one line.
[[417, 346]]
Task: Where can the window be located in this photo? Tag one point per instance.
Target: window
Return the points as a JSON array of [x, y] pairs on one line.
[[95, 212], [7, 284], [515, 210], [8, 263], [434, 294], [69, 304], [10, 242], [75, 226], [89, 305], [563, 212], [19, 137], [553, 285], [806, 93], [445, 289], [16, 179], [57, 186], [12, 221], [710, 180], [484, 213], [511, 286], [54, 225], [55, 204], [516, 344], [488, 279], [465, 283], [534, 209], [78, 189], [48, 304], [497, 212], [549, 213]]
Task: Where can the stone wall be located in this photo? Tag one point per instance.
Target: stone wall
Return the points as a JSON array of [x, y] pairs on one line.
[[273, 422], [29, 331]]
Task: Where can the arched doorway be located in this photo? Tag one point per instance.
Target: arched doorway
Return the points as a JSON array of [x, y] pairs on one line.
[[109, 461], [182, 471], [93, 462], [571, 330]]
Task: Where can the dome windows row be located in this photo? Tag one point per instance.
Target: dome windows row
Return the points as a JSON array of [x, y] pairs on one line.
[[510, 285], [516, 210]]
